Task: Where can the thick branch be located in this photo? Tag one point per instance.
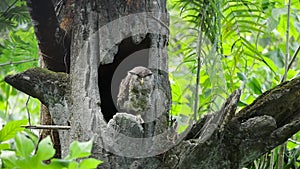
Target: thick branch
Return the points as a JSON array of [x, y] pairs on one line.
[[54, 45], [208, 123], [240, 138], [54, 42], [47, 86]]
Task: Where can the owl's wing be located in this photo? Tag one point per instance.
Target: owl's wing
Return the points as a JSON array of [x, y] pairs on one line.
[[123, 92]]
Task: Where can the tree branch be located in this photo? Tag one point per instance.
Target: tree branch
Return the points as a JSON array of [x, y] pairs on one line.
[[17, 62], [294, 57], [242, 137], [50, 127], [53, 41], [47, 86]]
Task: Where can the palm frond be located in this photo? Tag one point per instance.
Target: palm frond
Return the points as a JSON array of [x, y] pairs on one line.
[[241, 19], [13, 14]]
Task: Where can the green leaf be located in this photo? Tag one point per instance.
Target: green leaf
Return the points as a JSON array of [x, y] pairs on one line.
[[89, 163], [59, 163], [73, 165], [45, 149], [249, 22], [11, 128], [27, 162], [242, 104], [32, 136], [241, 76], [24, 146], [80, 149], [4, 146], [255, 86], [9, 162], [270, 64]]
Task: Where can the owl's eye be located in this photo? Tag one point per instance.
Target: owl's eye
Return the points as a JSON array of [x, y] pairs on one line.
[[132, 73], [143, 76], [140, 74]]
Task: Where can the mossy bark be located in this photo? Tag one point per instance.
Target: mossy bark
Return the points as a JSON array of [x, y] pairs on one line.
[[231, 138]]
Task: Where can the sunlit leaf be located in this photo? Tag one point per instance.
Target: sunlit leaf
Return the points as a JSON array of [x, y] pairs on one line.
[[255, 86], [80, 149], [11, 128], [45, 149], [24, 146], [89, 163]]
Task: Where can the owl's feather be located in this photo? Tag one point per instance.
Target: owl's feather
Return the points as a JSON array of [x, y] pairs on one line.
[[135, 91], [123, 92], [146, 93]]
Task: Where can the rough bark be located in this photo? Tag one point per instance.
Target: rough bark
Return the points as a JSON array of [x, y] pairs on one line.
[[99, 44], [54, 44], [53, 41], [232, 139]]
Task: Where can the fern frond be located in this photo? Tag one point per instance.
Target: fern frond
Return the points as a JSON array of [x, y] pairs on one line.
[[13, 14], [242, 19]]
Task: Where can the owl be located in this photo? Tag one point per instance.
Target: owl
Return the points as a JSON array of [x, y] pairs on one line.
[[135, 91]]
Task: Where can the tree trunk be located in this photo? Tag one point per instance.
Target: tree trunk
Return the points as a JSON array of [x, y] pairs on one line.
[[108, 38]]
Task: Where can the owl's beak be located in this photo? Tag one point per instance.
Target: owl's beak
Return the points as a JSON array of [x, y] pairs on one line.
[[142, 81]]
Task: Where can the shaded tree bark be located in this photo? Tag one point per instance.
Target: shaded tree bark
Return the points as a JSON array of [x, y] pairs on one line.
[[54, 45], [84, 98]]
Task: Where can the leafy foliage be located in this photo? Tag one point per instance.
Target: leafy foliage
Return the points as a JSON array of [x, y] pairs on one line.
[[12, 14], [241, 44], [9, 131], [233, 44], [241, 54], [25, 156], [18, 52], [11, 128]]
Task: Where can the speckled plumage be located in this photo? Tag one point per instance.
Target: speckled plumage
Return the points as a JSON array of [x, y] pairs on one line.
[[135, 91]]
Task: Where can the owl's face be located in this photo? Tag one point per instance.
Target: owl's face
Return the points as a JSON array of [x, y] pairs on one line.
[[141, 75]]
